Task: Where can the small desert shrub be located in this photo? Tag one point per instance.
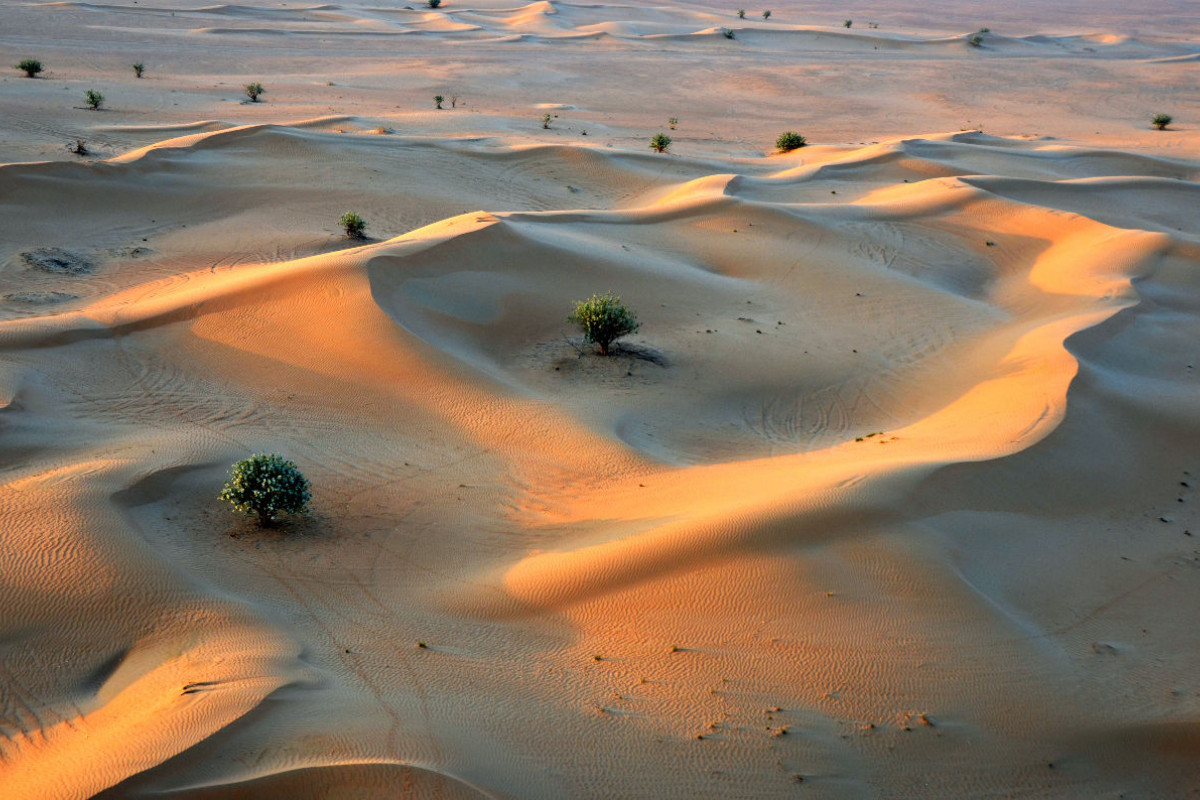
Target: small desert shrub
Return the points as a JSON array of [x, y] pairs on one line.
[[437, 99], [30, 66], [253, 90], [353, 225], [741, 13], [266, 485], [985, 30], [94, 99], [975, 41], [434, 3], [1161, 121], [847, 23], [728, 33], [546, 121], [139, 68], [789, 141], [659, 142], [673, 121], [603, 319], [79, 148], [767, 14]]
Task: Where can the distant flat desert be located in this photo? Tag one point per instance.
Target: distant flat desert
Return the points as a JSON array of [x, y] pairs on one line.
[[895, 493]]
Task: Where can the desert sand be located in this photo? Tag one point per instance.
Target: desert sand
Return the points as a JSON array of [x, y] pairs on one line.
[[893, 494]]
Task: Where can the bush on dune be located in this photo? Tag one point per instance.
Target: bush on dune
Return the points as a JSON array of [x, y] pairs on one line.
[[789, 141], [30, 66], [603, 319], [266, 485]]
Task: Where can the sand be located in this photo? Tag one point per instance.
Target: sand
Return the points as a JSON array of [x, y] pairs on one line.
[[892, 495]]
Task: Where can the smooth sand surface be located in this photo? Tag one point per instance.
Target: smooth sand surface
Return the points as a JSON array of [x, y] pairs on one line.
[[893, 494]]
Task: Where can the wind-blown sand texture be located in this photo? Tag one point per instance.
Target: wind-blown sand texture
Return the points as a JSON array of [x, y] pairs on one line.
[[892, 496]]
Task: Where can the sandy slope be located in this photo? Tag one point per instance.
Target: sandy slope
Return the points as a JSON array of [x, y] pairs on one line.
[[892, 495]]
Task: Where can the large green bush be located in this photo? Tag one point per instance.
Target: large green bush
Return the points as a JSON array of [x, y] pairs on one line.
[[30, 66], [266, 485], [604, 319], [354, 225], [789, 141]]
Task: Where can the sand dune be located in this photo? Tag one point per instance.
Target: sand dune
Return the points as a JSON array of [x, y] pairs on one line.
[[891, 495]]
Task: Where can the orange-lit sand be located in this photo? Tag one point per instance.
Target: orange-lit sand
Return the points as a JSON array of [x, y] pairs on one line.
[[892, 496]]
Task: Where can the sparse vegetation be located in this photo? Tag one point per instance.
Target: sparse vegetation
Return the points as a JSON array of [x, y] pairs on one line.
[[433, 3], [672, 122], [847, 23], [546, 121], [1161, 121], [30, 66], [353, 225], [437, 100], [985, 30], [728, 33], [603, 319], [454, 101], [767, 14], [789, 141], [79, 148], [975, 41], [93, 98], [266, 485], [741, 13], [254, 91], [139, 69], [659, 142]]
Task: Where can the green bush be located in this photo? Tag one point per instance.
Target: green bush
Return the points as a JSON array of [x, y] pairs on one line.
[[433, 3], [253, 90], [353, 225], [94, 99], [603, 319], [1161, 121], [546, 121], [30, 66], [741, 13], [728, 33], [767, 14], [659, 142], [139, 68], [975, 41], [847, 23], [789, 141], [437, 99], [266, 485]]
